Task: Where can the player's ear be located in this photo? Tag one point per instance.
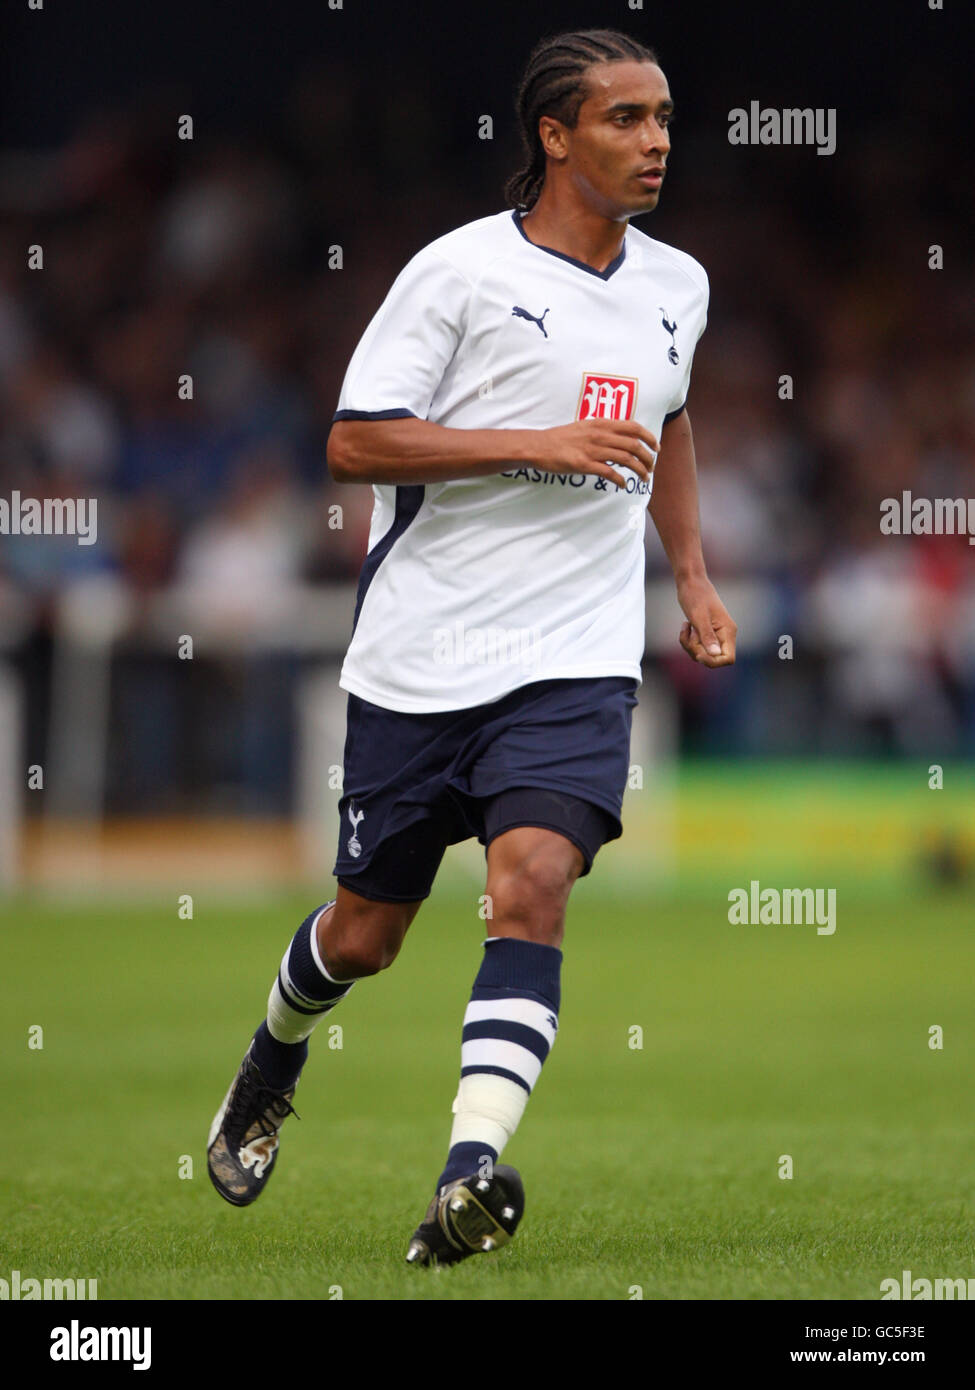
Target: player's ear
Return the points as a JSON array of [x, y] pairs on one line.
[[553, 137]]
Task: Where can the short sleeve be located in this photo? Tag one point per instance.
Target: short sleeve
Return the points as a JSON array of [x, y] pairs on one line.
[[679, 398], [403, 354]]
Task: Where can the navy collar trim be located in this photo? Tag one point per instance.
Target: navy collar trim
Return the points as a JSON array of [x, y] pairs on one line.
[[611, 269]]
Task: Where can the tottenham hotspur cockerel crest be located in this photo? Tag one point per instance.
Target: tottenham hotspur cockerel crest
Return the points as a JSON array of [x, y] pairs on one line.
[[672, 353], [354, 845]]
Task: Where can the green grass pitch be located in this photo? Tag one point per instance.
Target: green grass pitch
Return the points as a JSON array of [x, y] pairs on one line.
[[653, 1167]]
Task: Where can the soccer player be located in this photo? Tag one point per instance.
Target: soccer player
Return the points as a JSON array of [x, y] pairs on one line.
[[517, 403]]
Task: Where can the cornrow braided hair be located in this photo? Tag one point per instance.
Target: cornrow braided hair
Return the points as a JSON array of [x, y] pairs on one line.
[[554, 84]]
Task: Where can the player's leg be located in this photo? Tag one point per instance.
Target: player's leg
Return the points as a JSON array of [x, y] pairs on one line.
[[384, 871], [546, 767], [530, 873], [511, 1019], [335, 945]]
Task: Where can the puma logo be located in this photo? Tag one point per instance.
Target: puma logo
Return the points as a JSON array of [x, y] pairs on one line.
[[521, 313], [258, 1154]]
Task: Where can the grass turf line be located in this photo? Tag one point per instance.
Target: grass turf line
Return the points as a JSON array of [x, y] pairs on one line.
[[653, 1167]]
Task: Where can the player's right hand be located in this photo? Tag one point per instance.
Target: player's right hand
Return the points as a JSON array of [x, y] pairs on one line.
[[592, 446]]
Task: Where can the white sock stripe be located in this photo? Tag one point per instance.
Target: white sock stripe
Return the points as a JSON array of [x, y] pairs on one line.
[[526, 1011], [315, 954], [305, 1000], [492, 1052], [293, 989], [299, 995], [289, 983]]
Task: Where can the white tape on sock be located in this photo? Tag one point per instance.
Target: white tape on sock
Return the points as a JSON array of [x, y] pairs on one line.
[[487, 1110], [285, 1023]]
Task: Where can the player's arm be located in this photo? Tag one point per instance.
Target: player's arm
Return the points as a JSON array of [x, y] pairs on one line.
[[395, 373], [709, 634], [410, 450]]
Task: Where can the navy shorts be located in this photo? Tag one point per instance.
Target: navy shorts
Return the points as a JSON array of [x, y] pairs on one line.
[[554, 754]]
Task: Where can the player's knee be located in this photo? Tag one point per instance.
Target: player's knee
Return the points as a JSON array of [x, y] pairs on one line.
[[355, 957], [532, 895], [363, 944]]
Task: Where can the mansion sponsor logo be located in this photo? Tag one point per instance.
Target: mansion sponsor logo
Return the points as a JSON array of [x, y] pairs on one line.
[[50, 516], [792, 126], [908, 515], [77, 1343], [18, 1289], [607, 397], [756, 906], [460, 645], [921, 1290]]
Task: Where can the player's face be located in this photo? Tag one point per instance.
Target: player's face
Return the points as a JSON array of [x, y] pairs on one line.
[[617, 154]]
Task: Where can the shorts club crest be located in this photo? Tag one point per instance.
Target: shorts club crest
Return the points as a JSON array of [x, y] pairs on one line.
[[354, 845]]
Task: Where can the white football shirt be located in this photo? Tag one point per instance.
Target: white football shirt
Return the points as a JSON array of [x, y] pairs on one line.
[[475, 587]]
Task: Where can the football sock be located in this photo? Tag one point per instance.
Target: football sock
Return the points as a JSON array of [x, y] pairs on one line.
[[303, 993], [509, 1029]]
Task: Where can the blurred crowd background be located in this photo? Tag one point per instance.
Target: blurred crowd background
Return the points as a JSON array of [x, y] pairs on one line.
[[211, 257]]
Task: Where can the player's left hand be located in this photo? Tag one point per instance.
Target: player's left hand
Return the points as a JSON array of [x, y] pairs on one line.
[[709, 635]]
